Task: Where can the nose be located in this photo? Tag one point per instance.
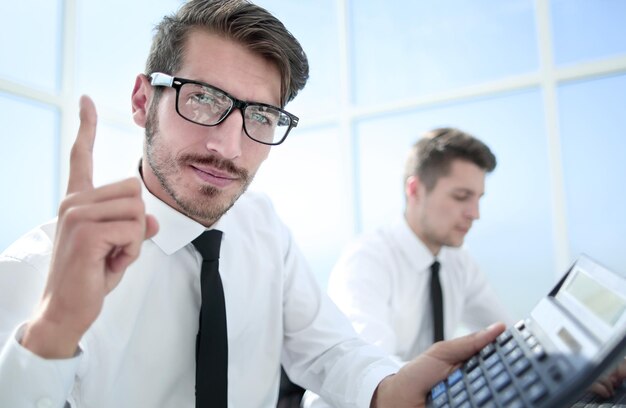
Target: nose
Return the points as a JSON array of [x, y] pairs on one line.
[[473, 210], [226, 137]]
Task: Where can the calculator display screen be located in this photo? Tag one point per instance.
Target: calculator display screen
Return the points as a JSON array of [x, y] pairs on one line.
[[603, 302]]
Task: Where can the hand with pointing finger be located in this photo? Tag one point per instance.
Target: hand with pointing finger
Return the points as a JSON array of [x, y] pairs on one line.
[[99, 234]]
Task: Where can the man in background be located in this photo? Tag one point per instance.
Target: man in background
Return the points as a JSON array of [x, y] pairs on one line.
[[411, 283]]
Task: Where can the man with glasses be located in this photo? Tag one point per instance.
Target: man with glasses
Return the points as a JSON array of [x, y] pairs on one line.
[[175, 288]]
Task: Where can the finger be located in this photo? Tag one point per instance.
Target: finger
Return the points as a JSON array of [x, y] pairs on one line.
[[112, 240], [121, 257], [602, 388], [460, 349], [120, 209], [126, 188], [81, 157], [152, 226]]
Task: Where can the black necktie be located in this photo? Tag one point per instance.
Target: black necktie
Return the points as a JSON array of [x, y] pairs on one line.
[[436, 297], [212, 341]]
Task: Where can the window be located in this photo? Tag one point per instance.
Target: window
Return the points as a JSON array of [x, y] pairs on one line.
[[541, 82]]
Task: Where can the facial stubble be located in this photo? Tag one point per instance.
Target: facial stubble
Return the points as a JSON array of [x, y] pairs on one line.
[[166, 167]]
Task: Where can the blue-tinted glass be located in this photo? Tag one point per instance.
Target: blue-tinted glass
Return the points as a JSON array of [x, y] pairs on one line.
[[30, 43], [304, 179], [513, 240], [404, 49], [113, 41], [116, 154], [314, 24], [29, 167], [584, 30], [593, 140]]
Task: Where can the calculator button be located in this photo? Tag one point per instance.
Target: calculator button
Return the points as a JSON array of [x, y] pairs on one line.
[[440, 401], [475, 374], [501, 381], [508, 394], [528, 379], [514, 355], [456, 388], [478, 384], [487, 350], [482, 396], [438, 389], [537, 391], [493, 359], [539, 352], [516, 403], [459, 399], [496, 369], [455, 377], [471, 364], [520, 366], [504, 337], [489, 404], [508, 347]]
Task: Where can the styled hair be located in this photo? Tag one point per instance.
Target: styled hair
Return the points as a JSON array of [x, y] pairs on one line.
[[431, 156], [237, 20]]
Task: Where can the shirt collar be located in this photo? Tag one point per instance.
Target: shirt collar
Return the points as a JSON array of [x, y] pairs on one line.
[[412, 247], [175, 229]]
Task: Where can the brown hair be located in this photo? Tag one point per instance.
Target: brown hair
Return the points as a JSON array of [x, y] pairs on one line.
[[431, 156], [237, 20]]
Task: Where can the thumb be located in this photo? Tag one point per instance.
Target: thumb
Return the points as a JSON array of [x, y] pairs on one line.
[[458, 350]]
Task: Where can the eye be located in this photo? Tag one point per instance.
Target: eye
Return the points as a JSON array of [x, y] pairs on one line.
[[461, 197], [262, 116], [259, 118], [203, 98], [209, 101]]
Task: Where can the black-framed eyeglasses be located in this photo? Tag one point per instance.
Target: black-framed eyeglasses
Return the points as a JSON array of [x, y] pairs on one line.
[[207, 105]]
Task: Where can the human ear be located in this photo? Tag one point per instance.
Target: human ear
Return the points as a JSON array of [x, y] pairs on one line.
[[140, 99], [412, 187]]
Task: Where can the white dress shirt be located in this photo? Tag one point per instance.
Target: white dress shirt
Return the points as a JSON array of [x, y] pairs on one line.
[[140, 351], [382, 283]]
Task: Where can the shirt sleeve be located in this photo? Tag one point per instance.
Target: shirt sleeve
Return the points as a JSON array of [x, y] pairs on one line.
[[27, 380], [360, 284], [321, 350]]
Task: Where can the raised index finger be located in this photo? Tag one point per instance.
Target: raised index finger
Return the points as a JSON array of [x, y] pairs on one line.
[[81, 157]]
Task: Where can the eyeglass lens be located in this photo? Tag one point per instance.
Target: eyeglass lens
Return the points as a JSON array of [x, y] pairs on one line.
[[209, 106]]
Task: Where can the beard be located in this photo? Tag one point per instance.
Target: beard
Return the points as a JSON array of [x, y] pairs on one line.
[[209, 203]]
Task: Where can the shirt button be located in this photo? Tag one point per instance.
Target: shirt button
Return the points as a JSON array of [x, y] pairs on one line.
[[44, 403]]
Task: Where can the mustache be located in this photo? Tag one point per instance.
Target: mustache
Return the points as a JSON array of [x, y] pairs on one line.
[[217, 162]]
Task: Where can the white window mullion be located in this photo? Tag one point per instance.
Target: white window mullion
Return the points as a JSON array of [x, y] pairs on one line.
[[548, 85], [68, 102]]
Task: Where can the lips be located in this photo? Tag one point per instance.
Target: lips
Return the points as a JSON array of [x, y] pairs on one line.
[[213, 176]]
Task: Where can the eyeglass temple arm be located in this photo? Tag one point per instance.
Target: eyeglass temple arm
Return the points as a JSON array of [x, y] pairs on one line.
[[159, 79]]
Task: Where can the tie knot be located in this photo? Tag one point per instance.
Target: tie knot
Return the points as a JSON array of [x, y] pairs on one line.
[[434, 267], [208, 244]]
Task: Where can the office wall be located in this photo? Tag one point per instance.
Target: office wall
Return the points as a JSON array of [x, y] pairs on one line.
[[542, 82]]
